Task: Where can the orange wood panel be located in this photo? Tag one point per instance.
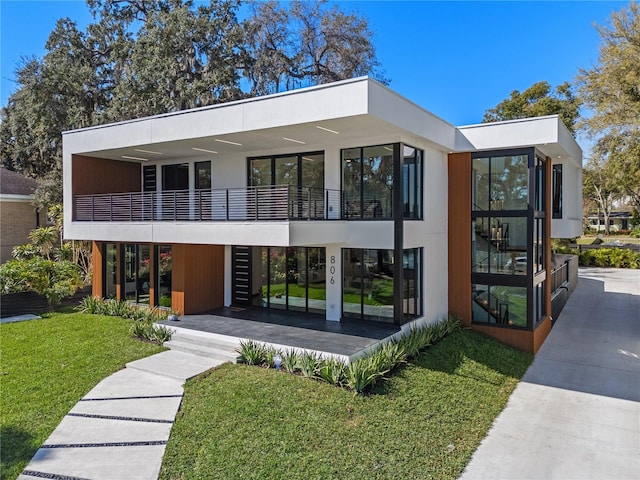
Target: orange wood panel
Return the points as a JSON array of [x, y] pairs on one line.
[[98, 274], [119, 290], [152, 275], [91, 175], [541, 333], [521, 339], [459, 171], [197, 278]]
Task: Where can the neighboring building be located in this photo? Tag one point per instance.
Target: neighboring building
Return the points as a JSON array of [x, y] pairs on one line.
[[345, 200], [617, 221], [18, 216]]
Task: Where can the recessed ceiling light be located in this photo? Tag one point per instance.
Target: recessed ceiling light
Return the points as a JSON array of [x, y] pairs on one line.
[[294, 140], [309, 159], [203, 150], [135, 158], [147, 151], [389, 148], [227, 141], [327, 129]]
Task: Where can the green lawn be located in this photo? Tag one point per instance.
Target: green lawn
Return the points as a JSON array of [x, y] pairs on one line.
[[46, 367], [425, 422]]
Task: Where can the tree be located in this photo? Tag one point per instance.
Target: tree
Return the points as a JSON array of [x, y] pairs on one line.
[[536, 101], [611, 92], [600, 186], [146, 57], [306, 43], [182, 57], [54, 280]]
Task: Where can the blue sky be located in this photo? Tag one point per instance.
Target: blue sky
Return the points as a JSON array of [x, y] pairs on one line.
[[455, 59]]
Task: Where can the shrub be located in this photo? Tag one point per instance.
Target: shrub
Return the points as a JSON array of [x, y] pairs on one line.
[[252, 353], [360, 375], [90, 304], [152, 333], [309, 364], [365, 372], [332, 371], [290, 360]]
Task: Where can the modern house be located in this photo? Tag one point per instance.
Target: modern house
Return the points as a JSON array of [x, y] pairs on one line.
[[18, 216], [343, 200]]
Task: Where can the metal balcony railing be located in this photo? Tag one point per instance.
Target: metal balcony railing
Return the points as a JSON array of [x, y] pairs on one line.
[[559, 277], [279, 202]]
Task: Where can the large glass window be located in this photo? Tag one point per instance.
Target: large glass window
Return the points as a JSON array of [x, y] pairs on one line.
[[499, 245], [412, 277], [289, 278], [377, 182], [368, 182], [508, 237], [499, 304], [368, 284], [203, 175], [412, 182], [175, 177], [557, 191], [303, 173], [163, 275], [110, 270], [137, 266]]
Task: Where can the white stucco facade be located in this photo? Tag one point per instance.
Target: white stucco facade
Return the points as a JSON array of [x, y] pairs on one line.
[[328, 119]]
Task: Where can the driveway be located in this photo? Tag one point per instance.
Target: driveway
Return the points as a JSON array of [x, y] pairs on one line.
[[576, 412]]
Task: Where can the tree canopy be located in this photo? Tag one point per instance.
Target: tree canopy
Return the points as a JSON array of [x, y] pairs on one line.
[[536, 101], [611, 92], [145, 57]]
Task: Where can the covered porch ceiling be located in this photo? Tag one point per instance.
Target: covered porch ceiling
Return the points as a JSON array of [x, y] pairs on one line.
[[309, 136]]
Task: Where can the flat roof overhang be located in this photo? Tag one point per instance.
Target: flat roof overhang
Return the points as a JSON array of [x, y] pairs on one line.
[[547, 134], [304, 119]]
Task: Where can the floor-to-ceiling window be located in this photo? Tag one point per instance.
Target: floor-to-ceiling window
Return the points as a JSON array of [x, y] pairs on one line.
[[412, 182], [110, 262], [368, 182], [508, 237], [302, 173], [368, 284], [136, 272], [289, 278], [163, 270]]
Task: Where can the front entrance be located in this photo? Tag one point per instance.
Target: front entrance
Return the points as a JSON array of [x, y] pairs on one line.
[[280, 278]]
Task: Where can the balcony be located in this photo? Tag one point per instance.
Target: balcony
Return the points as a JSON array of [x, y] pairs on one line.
[[280, 202]]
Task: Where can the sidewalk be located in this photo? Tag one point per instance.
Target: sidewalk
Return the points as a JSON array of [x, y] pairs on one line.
[[576, 412], [119, 430]]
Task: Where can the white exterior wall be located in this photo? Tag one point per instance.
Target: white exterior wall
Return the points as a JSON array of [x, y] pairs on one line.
[[361, 113], [570, 225]]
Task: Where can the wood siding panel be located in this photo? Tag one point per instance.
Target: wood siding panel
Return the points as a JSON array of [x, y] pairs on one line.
[[98, 274], [459, 233], [541, 333], [521, 339], [197, 278], [91, 175]]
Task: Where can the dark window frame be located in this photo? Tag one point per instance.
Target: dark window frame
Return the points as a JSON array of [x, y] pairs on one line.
[[557, 186], [536, 197]]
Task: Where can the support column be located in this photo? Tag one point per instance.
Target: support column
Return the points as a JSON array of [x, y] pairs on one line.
[[98, 274], [227, 276], [398, 235], [334, 282]]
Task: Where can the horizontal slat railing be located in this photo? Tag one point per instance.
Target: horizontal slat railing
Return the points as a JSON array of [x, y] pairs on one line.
[[559, 277], [279, 202]]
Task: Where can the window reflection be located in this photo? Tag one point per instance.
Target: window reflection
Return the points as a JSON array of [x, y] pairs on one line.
[[500, 305]]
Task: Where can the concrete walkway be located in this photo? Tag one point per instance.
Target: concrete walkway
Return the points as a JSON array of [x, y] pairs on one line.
[[576, 412], [119, 430]]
